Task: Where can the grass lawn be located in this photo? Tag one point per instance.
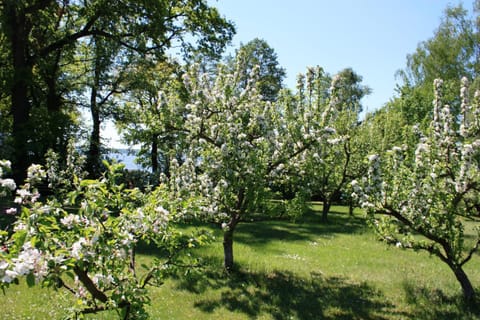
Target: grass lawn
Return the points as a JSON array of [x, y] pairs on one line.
[[302, 270]]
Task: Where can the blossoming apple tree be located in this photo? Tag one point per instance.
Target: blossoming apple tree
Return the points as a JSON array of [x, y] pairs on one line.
[[238, 143], [426, 199], [331, 164], [86, 241]]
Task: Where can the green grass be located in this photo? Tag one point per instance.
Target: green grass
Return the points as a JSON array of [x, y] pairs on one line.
[[303, 270]]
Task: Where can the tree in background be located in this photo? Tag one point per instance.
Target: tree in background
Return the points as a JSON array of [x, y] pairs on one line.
[[330, 164], [151, 120], [103, 80], [452, 53], [42, 37], [424, 200], [258, 53]]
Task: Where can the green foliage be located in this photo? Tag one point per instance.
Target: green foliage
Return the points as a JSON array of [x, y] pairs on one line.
[[422, 202], [150, 117], [84, 239], [58, 53], [298, 206], [257, 53], [452, 53]]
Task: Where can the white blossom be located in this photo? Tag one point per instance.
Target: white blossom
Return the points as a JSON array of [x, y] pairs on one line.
[[70, 220], [78, 251], [8, 184], [11, 211]]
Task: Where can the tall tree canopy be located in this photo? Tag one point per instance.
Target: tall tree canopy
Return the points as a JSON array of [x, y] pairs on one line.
[[42, 37], [452, 53], [258, 52]]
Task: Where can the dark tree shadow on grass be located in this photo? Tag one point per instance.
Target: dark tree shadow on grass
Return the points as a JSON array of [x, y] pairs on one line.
[[427, 303], [283, 295], [306, 229]]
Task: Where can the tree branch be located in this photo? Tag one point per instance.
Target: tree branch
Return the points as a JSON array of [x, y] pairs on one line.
[[89, 285], [394, 213], [470, 254]]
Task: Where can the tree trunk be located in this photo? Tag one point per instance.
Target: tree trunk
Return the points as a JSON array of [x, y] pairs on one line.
[[17, 35], [228, 249], [467, 288], [350, 208], [154, 154], [93, 165], [325, 209]]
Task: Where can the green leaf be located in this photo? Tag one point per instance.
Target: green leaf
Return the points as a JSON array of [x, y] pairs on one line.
[[20, 237], [88, 182], [70, 275], [30, 280]]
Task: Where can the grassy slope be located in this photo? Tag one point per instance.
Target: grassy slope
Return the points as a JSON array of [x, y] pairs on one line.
[[306, 270]]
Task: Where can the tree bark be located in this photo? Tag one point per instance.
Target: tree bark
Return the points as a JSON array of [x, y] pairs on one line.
[[326, 208], [17, 35], [467, 288], [93, 165], [154, 154], [89, 285], [351, 207], [228, 249]]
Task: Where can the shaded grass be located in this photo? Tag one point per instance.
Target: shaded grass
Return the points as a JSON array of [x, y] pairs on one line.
[[285, 270], [284, 295]]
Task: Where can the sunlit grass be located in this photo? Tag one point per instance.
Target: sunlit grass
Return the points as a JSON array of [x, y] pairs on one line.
[[285, 270]]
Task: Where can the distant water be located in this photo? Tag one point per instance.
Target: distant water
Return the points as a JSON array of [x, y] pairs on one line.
[[126, 157]]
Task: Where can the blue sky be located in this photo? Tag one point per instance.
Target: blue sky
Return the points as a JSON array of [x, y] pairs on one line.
[[371, 36]]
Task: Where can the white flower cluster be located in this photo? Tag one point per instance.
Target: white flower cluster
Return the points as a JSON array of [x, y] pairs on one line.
[[29, 260], [80, 248], [35, 174], [7, 185], [72, 220]]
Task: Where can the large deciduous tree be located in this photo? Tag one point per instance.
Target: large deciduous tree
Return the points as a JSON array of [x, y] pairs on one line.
[[149, 118], [41, 37], [452, 52], [423, 200], [258, 53]]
